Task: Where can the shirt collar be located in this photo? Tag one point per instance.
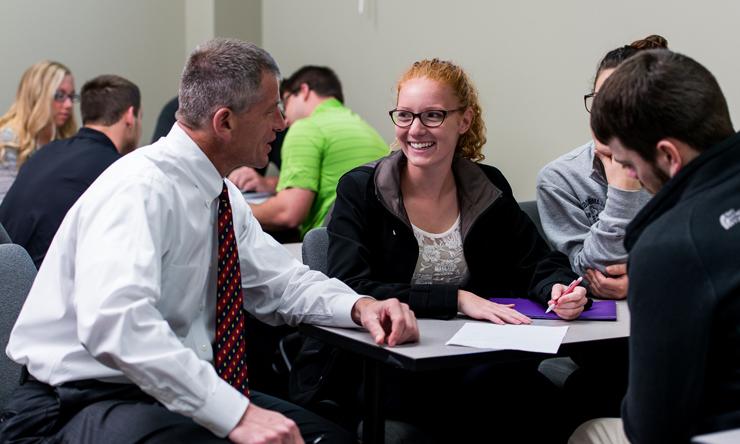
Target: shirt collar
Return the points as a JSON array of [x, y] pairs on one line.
[[90, 133], [326, 105], [196, 164]]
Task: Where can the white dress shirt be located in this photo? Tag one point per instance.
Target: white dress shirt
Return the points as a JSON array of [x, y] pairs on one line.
[[127, 292]]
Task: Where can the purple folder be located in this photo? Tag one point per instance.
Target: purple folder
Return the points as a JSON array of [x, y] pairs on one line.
[[599, 311]]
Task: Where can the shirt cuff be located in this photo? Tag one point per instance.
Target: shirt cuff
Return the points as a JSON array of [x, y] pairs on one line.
[[624, 204], [222, 410], [342, 308]]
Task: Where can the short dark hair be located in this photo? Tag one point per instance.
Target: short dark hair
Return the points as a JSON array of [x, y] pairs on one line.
[[320, 79], [222, 73], [104, 99], [658, 94]]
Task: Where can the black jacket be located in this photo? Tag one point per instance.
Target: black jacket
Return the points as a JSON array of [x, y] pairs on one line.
[[49, 183], [373, 249], [684, 298]]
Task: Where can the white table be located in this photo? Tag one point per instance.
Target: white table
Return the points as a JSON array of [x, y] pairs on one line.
[[724, 437], [255, 197], [432, 353]]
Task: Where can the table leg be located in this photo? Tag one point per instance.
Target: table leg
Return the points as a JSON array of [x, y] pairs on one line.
[[373, 428]]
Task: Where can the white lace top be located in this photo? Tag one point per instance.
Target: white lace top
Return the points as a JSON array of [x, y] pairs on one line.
[[441, 259]]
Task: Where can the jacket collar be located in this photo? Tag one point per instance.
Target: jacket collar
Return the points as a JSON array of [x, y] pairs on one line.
[[715, 165], [475, 191], [327, 105]]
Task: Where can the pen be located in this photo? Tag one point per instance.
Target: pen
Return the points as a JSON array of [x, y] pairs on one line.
[[568, 290]]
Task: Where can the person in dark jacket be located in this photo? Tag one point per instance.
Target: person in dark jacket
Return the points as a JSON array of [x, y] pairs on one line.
[[443, 233], [52, 180], [666, 120], [435, 228]]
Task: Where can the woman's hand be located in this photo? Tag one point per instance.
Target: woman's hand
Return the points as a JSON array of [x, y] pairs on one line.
[[478, 308], [568, 306]]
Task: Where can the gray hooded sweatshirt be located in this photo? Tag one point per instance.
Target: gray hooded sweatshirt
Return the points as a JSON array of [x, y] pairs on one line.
[[582, 215]]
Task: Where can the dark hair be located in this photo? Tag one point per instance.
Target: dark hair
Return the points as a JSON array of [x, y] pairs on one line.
[[320, 79], [658, 94], [615, 57], [104, 99], [222, 73]]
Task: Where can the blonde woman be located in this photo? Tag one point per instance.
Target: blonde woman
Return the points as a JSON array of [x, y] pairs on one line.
[[42, 112]]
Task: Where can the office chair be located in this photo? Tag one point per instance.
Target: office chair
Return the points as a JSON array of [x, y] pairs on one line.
[[17, 273], [530, 207], [4, 236]]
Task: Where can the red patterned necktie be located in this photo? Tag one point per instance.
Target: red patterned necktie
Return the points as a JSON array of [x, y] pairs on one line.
[[230, 347]]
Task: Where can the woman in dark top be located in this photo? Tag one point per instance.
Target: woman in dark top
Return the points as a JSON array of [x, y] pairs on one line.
[[435, 228], [438, 230]]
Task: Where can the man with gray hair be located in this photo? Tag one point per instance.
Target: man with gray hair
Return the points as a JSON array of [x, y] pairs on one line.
[[134, 328]]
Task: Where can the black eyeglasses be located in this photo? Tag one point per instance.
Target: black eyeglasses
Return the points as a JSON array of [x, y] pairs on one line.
[[588, 101], [61, 96], [431, 119]]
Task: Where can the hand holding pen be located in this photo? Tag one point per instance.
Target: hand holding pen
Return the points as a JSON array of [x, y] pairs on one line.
[[568, 302]]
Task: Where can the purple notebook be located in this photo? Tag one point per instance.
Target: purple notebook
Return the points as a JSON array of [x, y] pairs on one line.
[[599, 311]]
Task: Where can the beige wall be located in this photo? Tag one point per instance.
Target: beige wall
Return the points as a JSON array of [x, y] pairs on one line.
[[531, 60], [199, 23], [205, 19], [145, 41], [141, 40], [239, 18]]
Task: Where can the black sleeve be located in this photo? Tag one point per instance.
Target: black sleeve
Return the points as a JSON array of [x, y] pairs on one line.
[[354, 243], [671, 304], [538, 267]]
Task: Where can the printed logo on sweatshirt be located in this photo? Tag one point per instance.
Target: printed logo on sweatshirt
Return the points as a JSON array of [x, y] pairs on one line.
[[729, 218], [592, 206]]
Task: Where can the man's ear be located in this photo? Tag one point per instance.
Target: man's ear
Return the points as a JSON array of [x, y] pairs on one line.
[[129, 117], [223, 123], [304, 91], [669, 158]]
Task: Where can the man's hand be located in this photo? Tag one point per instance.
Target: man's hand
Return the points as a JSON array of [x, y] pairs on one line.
[[261, 426], [568, 306], [387, 321], [478, 308], [248, 179], [617, 175], [613, 286]]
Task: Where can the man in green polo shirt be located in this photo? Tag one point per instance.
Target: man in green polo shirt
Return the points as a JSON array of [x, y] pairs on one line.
[[325, 140]]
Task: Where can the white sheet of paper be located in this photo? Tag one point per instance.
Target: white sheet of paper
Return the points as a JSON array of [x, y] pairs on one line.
[[534, 338]]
